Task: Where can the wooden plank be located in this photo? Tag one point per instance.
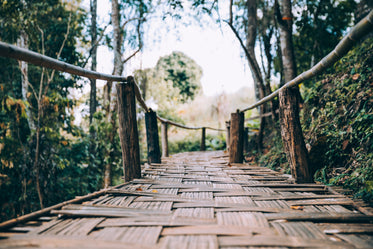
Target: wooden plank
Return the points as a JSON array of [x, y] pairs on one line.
[[190, 242], [155, 221], [295, 197], [146, 235], [229, 207], [351, 228], [285, 241], [282, 185], [359, 241], [71, 242], [239, 193], [247, 219], [321, 217], [110, 212], [306, 230], [215, 230], [339, 201]]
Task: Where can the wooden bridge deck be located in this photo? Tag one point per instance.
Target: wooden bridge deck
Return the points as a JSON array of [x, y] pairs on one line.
[[196, 200]]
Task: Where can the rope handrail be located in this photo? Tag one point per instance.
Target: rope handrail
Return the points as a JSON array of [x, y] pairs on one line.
[[11, 51], [357, 32]]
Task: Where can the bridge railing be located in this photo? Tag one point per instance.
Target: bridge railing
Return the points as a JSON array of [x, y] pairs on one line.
[[127, 91], [235, 125]]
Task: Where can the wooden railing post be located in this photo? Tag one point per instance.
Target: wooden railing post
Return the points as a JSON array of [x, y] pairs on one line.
[[154, 153], [228, 140], [236, 137], [246, 140], [164, 139], [128, 133], [292, 136], [203, 139]]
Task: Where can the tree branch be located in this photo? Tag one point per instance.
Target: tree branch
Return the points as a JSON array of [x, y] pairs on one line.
[[132, 19], [231, 12], [94, 46], [249, 57], [139, 39]]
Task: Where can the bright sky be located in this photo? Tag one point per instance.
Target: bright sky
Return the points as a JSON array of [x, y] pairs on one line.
[[213, 47]]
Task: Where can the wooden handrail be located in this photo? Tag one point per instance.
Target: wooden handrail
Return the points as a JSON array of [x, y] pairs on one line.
[[11, 51], [357, 32]]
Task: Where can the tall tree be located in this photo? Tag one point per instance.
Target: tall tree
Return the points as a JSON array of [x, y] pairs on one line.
[[93, 99], [289, 98], [127, 19], [250, 24]]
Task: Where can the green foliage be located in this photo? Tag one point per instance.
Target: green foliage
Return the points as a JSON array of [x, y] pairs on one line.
[[59, 166], [337, 120], [174, 80], [273, 155], [194, 144], [183, 72], [318, 29], [339, 110]]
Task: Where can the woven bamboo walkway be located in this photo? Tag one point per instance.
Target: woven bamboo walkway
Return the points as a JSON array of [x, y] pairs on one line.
[[195, 200]]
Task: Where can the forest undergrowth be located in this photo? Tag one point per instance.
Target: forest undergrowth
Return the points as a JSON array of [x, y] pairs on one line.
[[337, 122]]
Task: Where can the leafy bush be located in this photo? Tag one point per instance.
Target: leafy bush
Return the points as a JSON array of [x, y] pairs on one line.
[[337, 123], [194, 144]]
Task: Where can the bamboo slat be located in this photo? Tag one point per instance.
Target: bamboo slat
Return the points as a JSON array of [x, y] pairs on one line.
[[205, 207]]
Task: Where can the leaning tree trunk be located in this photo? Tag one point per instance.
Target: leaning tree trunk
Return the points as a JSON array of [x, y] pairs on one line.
[[260, 91], [291, 130]]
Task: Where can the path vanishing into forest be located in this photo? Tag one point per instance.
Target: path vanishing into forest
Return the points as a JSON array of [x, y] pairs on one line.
[[198, 200]]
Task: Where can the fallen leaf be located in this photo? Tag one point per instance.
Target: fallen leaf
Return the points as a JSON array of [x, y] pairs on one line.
[[138, 189], [297, 207], [154, 191], [355, 76], [344, 144]]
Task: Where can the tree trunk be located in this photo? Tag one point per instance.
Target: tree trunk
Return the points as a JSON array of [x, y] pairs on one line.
[[251, 34], [22, 42], [203, 139], [128, 132], [228, 135], [292, 136], [109, 96], [93, 102], [164, 139], [154, 153], [92, 97], [236, 138], [291, 130], [260, 91]]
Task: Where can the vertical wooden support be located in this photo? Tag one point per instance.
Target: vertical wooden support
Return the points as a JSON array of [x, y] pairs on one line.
[[246, 140], [292, 136], [236, 138], [128, 133], [154, 153], [164, 139], [203, 139], [228, 140]]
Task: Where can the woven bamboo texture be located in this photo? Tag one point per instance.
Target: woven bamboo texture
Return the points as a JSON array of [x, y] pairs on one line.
[[196, 200]]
